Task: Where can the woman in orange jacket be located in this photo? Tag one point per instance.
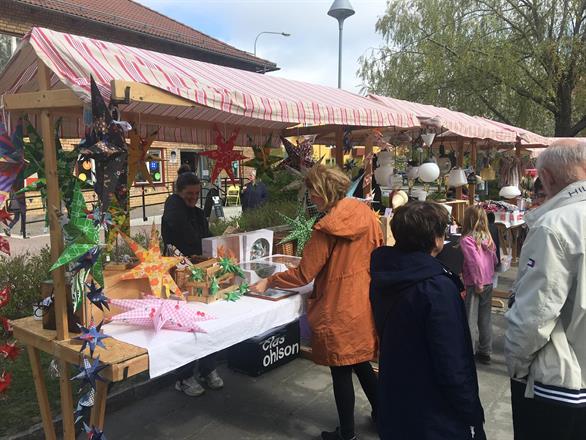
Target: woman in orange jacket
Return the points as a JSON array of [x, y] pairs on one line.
[[337, 257]]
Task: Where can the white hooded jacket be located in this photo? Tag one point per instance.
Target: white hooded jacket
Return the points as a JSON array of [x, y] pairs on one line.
[[545, 342]]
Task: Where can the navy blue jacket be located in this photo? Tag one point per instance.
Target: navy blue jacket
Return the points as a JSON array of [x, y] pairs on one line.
[[428, 388], [253, 195]]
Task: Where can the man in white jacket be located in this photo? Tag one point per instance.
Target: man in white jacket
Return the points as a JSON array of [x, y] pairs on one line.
[[545, 342]]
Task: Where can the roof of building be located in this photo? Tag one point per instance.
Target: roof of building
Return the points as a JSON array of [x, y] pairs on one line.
[[133, 16]]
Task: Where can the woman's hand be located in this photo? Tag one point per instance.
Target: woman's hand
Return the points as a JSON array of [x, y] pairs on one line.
[[260, 287]]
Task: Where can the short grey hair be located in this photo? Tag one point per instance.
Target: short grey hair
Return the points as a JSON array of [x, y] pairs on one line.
[[563, 158]]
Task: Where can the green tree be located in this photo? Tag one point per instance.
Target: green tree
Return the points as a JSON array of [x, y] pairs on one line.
[[520, 61], [5, 50]]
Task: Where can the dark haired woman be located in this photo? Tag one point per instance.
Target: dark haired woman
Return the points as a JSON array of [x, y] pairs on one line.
[[184, 226], [427, 386]]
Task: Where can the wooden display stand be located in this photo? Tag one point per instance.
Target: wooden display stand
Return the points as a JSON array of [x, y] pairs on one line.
[[200, 291]]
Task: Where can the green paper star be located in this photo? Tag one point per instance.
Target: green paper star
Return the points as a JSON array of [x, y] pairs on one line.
[[197, 274], [228, 266], [263, 161], [301, 230], [214, 287]]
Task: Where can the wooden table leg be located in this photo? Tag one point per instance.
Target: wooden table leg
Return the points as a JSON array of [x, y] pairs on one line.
[[41, 388], [66, 401], [99, 409]]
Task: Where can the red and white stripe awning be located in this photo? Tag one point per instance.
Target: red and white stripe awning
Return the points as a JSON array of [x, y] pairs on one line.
[[461, 124], [220, 94]]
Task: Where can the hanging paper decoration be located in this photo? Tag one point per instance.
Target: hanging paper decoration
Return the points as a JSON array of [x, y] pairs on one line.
[[93, 433], [263, 161], [91, 336], [105, 144], [5, 216], [138, 155], [160, 313], [4, 246], [5, 379], [90, 373], [301, 230], [96, 296], [11, 160], [224, 155], [153, 266], [85, 401], [298, 156], [347, 140], [9, 351]]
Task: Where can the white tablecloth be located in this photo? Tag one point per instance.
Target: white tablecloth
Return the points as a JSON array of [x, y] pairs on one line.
[[234, 323]]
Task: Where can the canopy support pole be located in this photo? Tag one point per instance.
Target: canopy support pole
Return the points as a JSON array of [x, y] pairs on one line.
[[460, 162], [53, 209], [472, 186], [340, 147], [368, 171]]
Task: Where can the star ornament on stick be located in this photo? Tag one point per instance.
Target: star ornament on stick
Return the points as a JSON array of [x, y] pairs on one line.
[[160, 313], [153, 266], [224, 155]]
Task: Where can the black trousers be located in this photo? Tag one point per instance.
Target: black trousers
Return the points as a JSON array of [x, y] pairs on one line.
[[206, 365], [344, 392], [535, 419]]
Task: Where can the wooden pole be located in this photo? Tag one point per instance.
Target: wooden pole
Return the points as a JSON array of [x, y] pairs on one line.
[[472, 186], [340, 147], [460, 162], [367, 185], [41, 388], [53, 208]]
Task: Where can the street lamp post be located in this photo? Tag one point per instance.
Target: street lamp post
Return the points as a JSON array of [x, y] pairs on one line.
[[284, 34], [340, 10]]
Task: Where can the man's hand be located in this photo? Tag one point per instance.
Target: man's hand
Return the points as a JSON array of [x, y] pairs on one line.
[[260, 287]]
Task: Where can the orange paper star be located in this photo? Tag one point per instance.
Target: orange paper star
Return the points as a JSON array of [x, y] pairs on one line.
[[138, 155], [153, 266]]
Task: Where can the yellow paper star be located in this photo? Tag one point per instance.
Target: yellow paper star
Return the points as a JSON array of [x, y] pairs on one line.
[[138, 155], [153, 266]]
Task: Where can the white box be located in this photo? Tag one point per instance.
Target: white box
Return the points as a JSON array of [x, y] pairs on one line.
[[257, 244], [242, 247]]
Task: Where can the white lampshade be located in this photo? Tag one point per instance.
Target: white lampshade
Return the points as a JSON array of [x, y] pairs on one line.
[[382, 174], [384, 157], [428, 172], [509, 192], [412, 172], [457, 177], [445, 165], [428, 138]]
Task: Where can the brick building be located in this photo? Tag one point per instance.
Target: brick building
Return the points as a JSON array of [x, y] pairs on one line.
[[133, 24]]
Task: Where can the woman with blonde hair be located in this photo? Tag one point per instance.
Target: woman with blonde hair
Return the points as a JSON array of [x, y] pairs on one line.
[[480, 261], [337, 257]]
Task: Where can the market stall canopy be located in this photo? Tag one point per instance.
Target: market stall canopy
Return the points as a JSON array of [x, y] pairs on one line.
[[463, 125], [196, 94]]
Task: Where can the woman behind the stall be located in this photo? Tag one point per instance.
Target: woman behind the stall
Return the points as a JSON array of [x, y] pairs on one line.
[[184, 226], [478, 270], [337, 257]]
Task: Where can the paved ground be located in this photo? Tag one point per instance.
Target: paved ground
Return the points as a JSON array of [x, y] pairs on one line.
[[293, 402]]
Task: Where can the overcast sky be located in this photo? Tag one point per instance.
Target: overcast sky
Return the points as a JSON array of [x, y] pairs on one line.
[[309, 54]]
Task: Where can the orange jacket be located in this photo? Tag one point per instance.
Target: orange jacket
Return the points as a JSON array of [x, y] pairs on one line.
[[337, 257]]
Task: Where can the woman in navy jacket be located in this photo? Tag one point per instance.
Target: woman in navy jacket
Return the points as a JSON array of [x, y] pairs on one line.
[[428, 388]]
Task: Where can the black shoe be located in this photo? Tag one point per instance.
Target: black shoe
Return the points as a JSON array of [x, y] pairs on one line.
[[336, 435], [483, 358]]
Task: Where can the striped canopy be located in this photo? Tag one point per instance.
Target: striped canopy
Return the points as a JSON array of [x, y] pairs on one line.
[[461, 124], [222, 95]]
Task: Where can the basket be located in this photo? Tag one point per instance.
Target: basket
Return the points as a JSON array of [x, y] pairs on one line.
[[289, 248]]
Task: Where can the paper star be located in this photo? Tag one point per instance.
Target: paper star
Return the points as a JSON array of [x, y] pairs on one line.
[[5, 324], [9, 351], [11, 158], [138, 155], [91, 337], [4, 246], [347, 140], [224, 155], [85, 401], [263, 160], [160, 313], [153, 266], [302, 228], [5, 216], [93, 433], [5, 379], [96, 296], [90, 373], [4, 295], [227, 265], [297, 156]]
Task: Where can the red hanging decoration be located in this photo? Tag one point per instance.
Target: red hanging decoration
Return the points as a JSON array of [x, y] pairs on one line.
[[224, 155]]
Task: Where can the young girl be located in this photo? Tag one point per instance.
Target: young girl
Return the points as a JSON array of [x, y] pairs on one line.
[[480, 260]]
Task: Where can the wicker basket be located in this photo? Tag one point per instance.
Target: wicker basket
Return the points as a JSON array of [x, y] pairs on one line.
[[289, 248]]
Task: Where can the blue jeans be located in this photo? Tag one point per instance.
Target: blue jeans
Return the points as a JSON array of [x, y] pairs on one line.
[[479, 314]]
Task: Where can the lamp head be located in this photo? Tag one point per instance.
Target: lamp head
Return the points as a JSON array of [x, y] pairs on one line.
[[341, 10]]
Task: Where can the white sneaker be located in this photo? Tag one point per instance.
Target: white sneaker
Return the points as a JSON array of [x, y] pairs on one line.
[[214, 381], [190, 386]]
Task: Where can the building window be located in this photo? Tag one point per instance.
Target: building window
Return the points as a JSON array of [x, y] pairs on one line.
[[155, 168]]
